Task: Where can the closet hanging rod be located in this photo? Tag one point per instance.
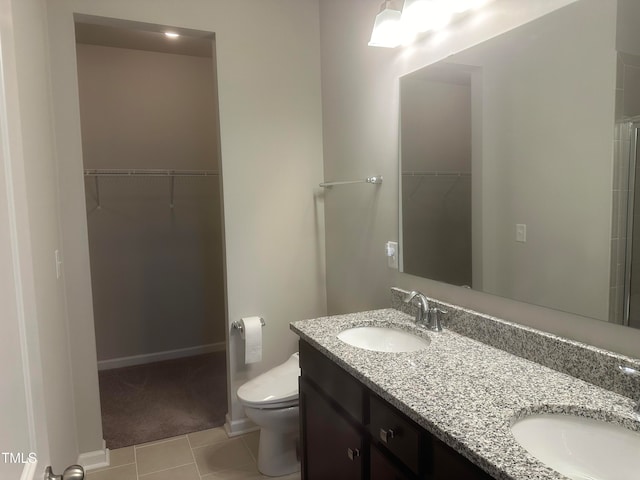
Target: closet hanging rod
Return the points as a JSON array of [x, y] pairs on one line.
[[148, 173], [375, 180], [436, 174]]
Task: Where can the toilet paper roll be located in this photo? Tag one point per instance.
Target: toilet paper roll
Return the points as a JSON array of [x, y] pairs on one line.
[[252, 335]]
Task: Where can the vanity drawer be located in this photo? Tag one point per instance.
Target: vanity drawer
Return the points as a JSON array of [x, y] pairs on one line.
[[333, 381], [396, 433]]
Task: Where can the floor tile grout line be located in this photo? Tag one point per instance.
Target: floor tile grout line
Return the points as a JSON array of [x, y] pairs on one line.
[[159, 442], [233, 469], [141, 477], [135, 461], [194, 457], [209, 442], [253, 462], [230, 439], [110, 467], [248, 449]]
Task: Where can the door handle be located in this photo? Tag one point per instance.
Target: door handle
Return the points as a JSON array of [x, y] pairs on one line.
[[353, 453], [74, 472]]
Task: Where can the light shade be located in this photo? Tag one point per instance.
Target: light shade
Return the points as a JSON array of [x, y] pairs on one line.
[[387, 27]]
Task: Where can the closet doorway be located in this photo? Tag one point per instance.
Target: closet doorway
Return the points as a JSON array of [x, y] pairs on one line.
[[151, 154]]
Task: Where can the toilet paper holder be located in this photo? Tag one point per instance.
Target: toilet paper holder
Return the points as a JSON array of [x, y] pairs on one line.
[[237, 325]]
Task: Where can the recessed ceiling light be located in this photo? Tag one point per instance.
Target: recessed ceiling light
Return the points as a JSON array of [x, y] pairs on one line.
[[172, 34]]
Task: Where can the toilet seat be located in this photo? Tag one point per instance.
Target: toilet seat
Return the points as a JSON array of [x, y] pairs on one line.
[[276, 388], [271, 406]]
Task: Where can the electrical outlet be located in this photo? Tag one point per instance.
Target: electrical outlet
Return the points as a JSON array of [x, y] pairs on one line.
[[392, 254]]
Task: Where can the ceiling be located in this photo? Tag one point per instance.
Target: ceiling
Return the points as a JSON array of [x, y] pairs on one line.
[[140, 36]]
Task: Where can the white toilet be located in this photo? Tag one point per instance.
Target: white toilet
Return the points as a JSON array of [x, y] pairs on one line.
[[271, 401]]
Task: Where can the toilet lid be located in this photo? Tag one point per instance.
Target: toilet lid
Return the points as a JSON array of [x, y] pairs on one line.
[[276, 386]]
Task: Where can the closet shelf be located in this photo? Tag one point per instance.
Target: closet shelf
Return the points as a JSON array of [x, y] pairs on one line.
[[148, 173], [436, 174], [172, 174]]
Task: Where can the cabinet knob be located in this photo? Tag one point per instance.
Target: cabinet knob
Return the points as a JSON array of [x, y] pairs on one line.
[[386, 435], [353, 453]]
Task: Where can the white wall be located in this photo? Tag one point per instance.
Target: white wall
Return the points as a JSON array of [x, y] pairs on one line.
[[360, 118], [14, 420], [31, 201], [271, 159], [156, 271]]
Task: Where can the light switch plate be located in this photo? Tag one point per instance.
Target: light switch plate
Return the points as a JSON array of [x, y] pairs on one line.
[[521, 232], [58, 263]]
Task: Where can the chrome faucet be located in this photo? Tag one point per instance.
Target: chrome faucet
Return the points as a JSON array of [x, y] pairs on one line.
[[632, 372], [422, 315], [435, 322], [428, 317]]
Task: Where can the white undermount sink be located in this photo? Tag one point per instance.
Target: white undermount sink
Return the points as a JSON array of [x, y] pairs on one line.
[[383, 339], [581, 448]]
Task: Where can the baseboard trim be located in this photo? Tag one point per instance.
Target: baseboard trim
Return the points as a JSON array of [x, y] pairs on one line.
[[29, 471], [160, 356], [96, 459], [238, 427]]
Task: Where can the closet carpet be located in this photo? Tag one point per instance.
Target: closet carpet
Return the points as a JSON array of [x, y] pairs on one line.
[[164, 399]]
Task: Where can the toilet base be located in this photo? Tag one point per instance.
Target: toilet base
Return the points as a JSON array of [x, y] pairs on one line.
[[278, 453]]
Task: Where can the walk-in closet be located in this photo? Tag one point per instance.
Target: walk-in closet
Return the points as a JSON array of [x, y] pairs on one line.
[[150, 140]]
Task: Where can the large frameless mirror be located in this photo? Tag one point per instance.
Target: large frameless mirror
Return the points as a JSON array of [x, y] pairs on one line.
[[515, 163]]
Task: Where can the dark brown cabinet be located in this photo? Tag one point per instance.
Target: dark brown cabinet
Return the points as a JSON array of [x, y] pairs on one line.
[[350, 433], [383, 469], [334, 448], [393, 432]]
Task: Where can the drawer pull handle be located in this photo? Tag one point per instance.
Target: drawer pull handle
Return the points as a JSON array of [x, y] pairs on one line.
[[386, 435], [353, 453]]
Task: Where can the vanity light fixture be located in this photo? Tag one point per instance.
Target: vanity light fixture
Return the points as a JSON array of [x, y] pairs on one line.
[[400, 23], [424, 15], [387, 27], [171, 34]]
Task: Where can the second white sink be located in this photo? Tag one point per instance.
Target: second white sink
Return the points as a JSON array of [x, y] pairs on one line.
[[383, 339], [581, 448]]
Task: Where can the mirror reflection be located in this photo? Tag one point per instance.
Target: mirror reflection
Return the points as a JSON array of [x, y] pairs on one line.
[[516, 169]]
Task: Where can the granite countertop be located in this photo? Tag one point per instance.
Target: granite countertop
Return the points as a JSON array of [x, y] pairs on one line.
[[465, 392]]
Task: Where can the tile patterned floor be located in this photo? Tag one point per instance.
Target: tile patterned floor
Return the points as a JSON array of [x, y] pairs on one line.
[[206, 455]]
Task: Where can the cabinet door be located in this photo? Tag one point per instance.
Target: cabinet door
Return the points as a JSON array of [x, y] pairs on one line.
[[383, 469], [332, 449], [450, 465]]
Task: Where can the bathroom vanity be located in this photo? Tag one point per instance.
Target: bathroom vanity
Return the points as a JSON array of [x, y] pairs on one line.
[[369, 438], [442, 412]]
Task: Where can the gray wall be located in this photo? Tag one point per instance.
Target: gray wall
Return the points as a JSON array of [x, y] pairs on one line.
[[627, 106], [143, 109], [535, 176], [360, 117], [435, 117], [156, 272]]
